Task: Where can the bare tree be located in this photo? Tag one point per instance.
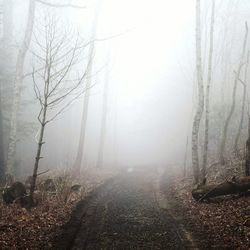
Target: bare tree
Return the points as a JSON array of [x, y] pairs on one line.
[[81, 143], [207, 100], [6, 12], [80, 149], [59, 83], [17, 87], [19, 75], [104, 121], [242, 106], [61, 5], [237, 76], [7, 22], [2, 168], [247, 162], [200, 107]]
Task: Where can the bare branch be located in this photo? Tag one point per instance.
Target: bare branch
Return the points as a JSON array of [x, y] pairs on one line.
[[65, 73], [39, 115], [60, 5], [69, 103], [39, 57], [44, 172], [241, 81], [57, 100], [36, 89], [30, 73]]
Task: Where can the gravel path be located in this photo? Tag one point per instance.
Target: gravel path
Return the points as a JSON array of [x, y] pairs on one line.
[[122, 214]]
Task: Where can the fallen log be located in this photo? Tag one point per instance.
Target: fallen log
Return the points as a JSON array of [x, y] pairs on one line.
[[233, 186]]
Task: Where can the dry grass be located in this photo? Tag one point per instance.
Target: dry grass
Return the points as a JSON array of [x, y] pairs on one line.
[[37, 228]]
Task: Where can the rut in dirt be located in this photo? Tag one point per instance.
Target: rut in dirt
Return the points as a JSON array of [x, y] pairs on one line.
[[122, 214]]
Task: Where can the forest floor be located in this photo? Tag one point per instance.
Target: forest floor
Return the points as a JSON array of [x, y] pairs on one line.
[[129, 210], [139, 211], [37, 228], [220, 223]]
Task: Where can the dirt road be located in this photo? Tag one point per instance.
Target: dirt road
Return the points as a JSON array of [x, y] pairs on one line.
[[122, 214]]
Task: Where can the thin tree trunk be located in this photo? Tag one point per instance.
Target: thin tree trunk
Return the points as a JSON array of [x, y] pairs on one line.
[[242, 107], [115, 135], [6, 52], [17, 88], [7, 21], [2, 167], [80, 150], [207, 101], [43, 122], [104, 121], [185, 159], [247, 163], [200, 107], [237, 75], [38, 153]]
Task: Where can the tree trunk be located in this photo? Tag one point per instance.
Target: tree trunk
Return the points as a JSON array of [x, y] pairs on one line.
[[115, 134], [104, 121], [199, 111], [38, 153], [80, 150], [6, 61], [207, 101], [243, 106], [2, 167], [247, 163], [17, 88], [7, 21], [234, 186], [81, 144], [225, 131], [2, 158], [185, 159]]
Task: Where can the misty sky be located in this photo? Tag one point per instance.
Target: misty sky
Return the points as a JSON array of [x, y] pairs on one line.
[[147, 60], [148, 45], [148, 49]]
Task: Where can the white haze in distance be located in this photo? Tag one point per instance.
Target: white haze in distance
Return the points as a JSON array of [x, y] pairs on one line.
[[151, 80], [149, 64], [150, 47]]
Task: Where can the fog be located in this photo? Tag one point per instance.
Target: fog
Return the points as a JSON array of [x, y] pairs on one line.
[[145, 51], [124, 124]]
